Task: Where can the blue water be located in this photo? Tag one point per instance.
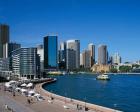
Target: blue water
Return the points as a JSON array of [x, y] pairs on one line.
[[122, 92]]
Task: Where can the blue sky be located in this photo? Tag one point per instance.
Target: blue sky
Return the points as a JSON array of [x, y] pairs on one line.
[[115, 23]]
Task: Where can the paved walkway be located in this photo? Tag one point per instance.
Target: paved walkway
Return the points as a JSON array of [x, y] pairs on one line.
[[18, 103], [14, 105]]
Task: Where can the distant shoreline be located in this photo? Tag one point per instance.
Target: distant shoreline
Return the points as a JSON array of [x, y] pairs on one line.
[[125, 73]]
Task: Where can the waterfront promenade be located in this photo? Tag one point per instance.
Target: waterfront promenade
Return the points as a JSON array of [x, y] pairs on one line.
[[18, 103]]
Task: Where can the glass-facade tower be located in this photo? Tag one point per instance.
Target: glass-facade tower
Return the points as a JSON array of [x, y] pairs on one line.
[[50, 52], [26, 62], [62, 56], [4, 39]]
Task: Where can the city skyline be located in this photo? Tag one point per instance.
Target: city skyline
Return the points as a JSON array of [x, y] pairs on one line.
[[69, 55], [114, 23]]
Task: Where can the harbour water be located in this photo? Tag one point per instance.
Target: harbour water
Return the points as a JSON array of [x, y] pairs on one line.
[[122, 92]]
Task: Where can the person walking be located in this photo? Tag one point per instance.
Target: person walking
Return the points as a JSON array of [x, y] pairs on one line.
[[6, 106], [14, 94], [28, 100]]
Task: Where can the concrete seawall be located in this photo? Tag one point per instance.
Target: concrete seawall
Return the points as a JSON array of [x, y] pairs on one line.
[[90, 106]]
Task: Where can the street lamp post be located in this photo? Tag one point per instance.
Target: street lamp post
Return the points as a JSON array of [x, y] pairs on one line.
[[65, 97], [51, 95]]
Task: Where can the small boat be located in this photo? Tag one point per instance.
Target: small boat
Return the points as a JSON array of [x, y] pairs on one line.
[[103, 77], [71, 73], [64, 73]]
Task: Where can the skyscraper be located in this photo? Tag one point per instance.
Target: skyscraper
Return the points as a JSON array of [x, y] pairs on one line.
[[4, 64], [81, 60], [102, 55], [4, 38], [91, 48], [116, 58], [71, 59], [40, 52], [62, 55], [11, 47], [86, 58], [73, 46], [25, 62], [50, 52]]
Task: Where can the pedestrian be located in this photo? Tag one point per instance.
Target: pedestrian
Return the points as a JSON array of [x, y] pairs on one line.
[[52, 98], [13, 94], [78, 106], [4, 88], [28, 100], [6, 106], [31, 100]]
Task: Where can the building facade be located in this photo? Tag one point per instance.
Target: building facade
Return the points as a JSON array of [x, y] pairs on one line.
[[62, 55], [102, 55], [91, 48], [116, 58], [4, 68], [25, 63], [40, 52], [4, 39], [71, 59], [11, 47], [50, 53], [4, 64], [100, 68], [81, 60], [86, 58], [73, 46]]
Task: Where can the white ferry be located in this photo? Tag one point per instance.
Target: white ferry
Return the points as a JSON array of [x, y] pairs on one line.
[[103, 77]]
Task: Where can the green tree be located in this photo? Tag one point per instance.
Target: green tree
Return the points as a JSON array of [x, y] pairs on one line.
[[135, 66], [125, 68], [113, 70]]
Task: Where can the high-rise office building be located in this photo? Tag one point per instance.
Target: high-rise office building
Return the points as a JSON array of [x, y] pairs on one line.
[[11, 47], [102, 55], [116, 58], [73, 46], [25, 62], [4, 38], [40, 52], [86, 58], [110, 60], [91, 48], [4, 64], [62, 55], [50, 52], [71, 59], [81, 60]]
